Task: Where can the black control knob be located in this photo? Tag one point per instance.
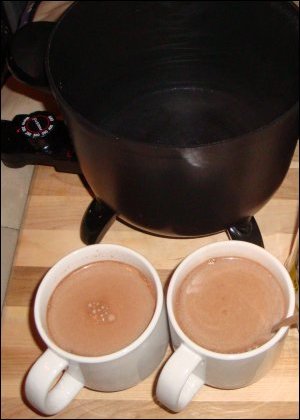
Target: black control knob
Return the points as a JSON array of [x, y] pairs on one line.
[[38, 139]]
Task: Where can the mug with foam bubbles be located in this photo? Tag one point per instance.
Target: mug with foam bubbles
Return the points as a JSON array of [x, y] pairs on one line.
[[111, 372], [191, 365]]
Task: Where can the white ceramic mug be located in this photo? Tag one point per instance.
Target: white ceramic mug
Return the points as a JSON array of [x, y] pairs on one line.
[[192, 366], [113, 372]]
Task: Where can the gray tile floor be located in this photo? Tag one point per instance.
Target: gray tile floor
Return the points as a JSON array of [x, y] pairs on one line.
[[15, 185], [16, 98]]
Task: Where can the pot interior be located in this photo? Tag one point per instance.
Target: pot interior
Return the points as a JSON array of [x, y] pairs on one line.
[[177, 72]]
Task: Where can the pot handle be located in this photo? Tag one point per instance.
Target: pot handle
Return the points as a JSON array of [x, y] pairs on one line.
[[246, 230], [27, 53]]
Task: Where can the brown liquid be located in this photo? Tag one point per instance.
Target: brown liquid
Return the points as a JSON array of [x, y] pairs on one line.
[[229, 305], [100, 308]]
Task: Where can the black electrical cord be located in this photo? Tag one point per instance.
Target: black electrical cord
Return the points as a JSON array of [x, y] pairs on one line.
[[6, 33]]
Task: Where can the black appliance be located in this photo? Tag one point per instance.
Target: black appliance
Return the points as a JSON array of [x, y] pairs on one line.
[[183, 115]]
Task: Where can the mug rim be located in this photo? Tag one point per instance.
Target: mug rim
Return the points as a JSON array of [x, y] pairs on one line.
[[117, 354], [228, 356]]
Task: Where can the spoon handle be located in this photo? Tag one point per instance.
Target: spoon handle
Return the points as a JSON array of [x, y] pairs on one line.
[[290, 320]]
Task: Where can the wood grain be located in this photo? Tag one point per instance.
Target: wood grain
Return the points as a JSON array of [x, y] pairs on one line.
[[50, 230]]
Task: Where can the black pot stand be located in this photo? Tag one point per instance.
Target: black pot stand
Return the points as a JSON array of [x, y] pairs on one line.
[[247, 230], [99, 217], [96, 221]]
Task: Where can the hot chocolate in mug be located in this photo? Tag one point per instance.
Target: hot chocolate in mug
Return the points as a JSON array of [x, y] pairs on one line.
[[193, 365], [111, 372]]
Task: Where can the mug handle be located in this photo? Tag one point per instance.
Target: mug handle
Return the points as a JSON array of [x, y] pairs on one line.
[[181, 378], [40, 380]]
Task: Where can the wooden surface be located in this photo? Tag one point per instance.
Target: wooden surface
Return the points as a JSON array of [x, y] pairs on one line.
[[50, 230]]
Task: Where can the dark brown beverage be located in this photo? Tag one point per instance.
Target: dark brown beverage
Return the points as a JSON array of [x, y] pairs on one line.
[[100, 308], [229, 305]]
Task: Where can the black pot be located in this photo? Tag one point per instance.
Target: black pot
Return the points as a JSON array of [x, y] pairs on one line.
[[184, 115]]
